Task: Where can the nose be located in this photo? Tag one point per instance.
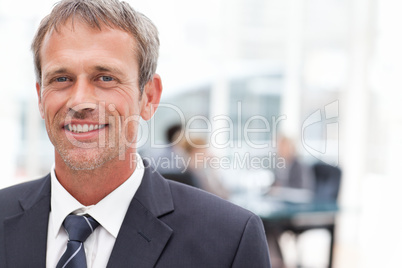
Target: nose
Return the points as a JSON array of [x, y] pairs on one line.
[[82, 96]]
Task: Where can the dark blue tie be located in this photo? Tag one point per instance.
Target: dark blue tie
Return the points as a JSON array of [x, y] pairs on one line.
[[78, 229]]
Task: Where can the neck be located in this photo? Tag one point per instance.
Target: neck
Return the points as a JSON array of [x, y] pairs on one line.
[[90, 186]]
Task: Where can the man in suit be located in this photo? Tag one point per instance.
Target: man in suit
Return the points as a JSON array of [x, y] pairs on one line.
[[95, 64]]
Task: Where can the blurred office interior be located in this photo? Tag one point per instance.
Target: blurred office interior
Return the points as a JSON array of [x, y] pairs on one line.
[[328, 70]]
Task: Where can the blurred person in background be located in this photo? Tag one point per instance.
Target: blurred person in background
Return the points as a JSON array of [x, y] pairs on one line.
[[294, 182], [99, 206], [205, 175], [294, 174], [169, 158]]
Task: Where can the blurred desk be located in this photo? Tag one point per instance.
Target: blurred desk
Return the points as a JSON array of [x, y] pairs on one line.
[[296, 217]]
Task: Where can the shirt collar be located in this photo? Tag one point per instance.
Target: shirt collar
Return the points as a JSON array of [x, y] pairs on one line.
[[109, 212]]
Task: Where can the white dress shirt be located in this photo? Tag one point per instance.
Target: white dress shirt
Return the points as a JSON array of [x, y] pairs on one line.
[[109, 212]]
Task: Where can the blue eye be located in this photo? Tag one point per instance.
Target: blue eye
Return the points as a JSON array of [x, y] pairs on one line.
[[61, 79], [106, 78]]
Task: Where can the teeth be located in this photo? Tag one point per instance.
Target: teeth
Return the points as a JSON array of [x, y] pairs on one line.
[[82, 128]]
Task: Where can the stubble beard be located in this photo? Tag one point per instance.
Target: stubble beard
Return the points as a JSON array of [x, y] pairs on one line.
[[79, 158], [86, 161]]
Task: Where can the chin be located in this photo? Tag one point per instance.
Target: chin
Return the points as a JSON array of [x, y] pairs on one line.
[[86, 160]]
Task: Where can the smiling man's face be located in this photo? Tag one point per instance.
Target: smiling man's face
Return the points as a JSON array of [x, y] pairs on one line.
[[89, 94]]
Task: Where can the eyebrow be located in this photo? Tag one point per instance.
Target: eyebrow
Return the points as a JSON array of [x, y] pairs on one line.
[[102, 68], [54, 72], [99, 68]]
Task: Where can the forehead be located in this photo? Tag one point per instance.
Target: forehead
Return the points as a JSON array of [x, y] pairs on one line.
[[77, 28], [78, 41], [76, 34]]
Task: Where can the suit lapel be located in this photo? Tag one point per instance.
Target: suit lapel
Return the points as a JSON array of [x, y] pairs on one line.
[[143, 235], [140, 242], [27, 231]]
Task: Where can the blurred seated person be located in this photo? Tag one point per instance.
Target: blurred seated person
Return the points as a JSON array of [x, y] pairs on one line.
[[204, 175], [293, 180], [169, 158]]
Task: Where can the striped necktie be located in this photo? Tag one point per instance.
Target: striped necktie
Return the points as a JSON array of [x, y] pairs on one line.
[[78, 229]]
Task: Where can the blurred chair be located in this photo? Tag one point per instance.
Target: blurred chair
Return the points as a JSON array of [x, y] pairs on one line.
[[327, 182], [327, 185]]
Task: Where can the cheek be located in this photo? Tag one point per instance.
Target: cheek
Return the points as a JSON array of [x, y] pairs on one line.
[[131, 131], [49, 111], [126, 107], [52, 103]]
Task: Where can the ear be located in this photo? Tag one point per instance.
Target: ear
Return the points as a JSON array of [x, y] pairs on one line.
[[151, 97], [38, 91]]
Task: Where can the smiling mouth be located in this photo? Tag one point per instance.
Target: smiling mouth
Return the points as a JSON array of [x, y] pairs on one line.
[[77, 128]]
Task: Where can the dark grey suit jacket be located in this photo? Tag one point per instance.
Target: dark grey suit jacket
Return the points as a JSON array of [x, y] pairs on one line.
[[167, 225]]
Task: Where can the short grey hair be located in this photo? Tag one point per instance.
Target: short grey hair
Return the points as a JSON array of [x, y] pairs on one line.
[[112, 13]]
